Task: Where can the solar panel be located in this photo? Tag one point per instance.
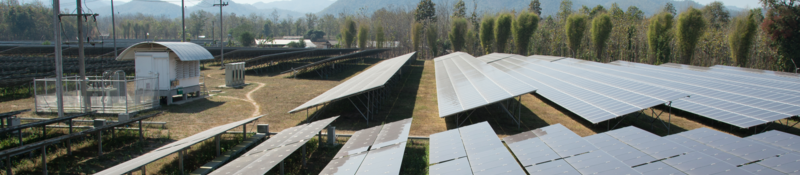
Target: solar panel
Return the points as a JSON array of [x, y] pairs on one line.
[[715, 111], [755, 73], [385, 160], [658, 168], [648, 143], [621, 151], [747, 81], [722, 110], [454, 167], [599, 162], [446, 146], [563, 141], [760, 169], [529, 149], [779, 139], [787, 163], [359, 142], [698, 163], [269, 153], [486, 154], [173, 147], [744, 148], [345, 165], [372, 78], [713, 152], [393, 133], [464, 83], [557, 167]]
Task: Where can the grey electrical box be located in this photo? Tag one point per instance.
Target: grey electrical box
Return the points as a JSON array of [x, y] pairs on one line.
[[234, 74]]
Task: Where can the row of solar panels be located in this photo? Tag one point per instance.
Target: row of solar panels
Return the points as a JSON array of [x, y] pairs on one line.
[[599, 92], [376, 150], [555, 149]]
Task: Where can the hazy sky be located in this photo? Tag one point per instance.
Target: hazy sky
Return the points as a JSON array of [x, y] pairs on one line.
[[737, 3]]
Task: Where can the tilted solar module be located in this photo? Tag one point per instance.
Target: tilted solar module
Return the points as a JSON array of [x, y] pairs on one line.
[[779, 139], [717, 111], [386, 145], [454, 167], [359, 142], [699, 163], [563, 141], [173, 147], [648, 143], [744, 148], [705, 149], [599, 162], [787, 163], [747, 81], [756, 73], [445, 146], [464, 83], [264, 158], [556, 167], [529, 149], [485, 152], [370, 79]]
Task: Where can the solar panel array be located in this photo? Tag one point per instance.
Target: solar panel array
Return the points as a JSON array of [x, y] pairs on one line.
[[464, 83], [376, 150], [479, 152], [722, 97], [266, 155], [782, 76], [557, 150], [352, 55], [173, 147], [593, 97], [372, 78]]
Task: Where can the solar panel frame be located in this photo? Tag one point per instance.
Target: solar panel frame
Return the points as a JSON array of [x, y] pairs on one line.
[[779, 139], [705, 149], [557, 167], [384, 160], [445, 146], [529, 149], [173, 147], [744, 148], [485, 152], [370, 79], [347, 165], [755, 73], [787, 163], [599, 162], [763, 83], [698, 163], [454, 167], [393, 133], [359, 142]]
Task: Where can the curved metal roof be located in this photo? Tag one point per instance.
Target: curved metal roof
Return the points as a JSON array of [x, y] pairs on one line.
[[186, 51]]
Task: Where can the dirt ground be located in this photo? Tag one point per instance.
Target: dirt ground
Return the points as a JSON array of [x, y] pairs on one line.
[[413, 97]]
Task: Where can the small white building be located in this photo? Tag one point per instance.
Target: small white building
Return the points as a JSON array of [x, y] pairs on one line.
[[176, 64], [283, 42]]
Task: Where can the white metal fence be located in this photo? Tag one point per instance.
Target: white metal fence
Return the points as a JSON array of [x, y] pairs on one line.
[[108, 95]]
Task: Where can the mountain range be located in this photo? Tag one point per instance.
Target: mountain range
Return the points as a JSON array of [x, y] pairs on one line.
[[298, 8]]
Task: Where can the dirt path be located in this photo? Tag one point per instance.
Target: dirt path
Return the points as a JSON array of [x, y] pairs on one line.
[[257, 110]]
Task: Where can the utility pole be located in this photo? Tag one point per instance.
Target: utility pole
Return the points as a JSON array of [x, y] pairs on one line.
[[59, 71], [212, 30], [113, 28], [221, 35], [82, 61], [183, 22]]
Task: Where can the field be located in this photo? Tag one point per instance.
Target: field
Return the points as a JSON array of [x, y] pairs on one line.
[[274, 95]]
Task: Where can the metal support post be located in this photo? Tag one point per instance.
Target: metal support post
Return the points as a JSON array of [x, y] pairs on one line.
[[141, 136], [319, 138], [8, 166], [217, 140], [144, 169], [244, 131], [44, 160], [281, 167], [69, 141], [180, 156], [304, 155], [99, 143]]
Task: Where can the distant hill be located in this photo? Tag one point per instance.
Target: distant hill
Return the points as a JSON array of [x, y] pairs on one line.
[[302, 6], [549, 7], [170, 10]]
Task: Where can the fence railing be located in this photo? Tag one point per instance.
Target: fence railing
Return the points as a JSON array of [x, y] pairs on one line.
[[105, 95]]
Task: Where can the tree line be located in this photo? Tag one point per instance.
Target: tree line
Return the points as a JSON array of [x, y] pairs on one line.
[[762, 38]]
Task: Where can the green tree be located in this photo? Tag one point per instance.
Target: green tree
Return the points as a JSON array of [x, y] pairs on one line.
[[431, 36], [616, 12], [487, 34], [246, 38], [426, 11], [348, 32], [782, 29], [741, 38], [363, 36], [297, 44], [458, 34], [267, 29], [659, 36], [314, 35], [691, 26], [460, 9], [565, 9], [379, 37], [716, 14], [601, 31], [634, 13], [416, 35], [599, 9], [523, 29], [669, 8], [576, 25], [196, 23], [502, 31], [536, 7]]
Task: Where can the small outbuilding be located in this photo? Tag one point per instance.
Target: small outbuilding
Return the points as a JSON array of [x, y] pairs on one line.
[[176, 64]]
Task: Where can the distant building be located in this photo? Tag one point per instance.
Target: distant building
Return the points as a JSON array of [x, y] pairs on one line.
[[323, 44], [292, 37], [283, 42]]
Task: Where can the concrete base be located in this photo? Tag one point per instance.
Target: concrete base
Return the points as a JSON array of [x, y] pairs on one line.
[[233, 87], [188, 100]]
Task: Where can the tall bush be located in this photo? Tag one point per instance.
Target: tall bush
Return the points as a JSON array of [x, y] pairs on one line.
[[457, 34], [348, 32], [502, 31], [487, 34], [601, 31], [741, 38], [691, 26], [363, 36], [524, 26], [576, 25], [659, 36]]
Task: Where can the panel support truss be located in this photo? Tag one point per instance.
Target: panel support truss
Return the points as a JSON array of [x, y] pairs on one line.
[[511, 111], [666, 125]]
